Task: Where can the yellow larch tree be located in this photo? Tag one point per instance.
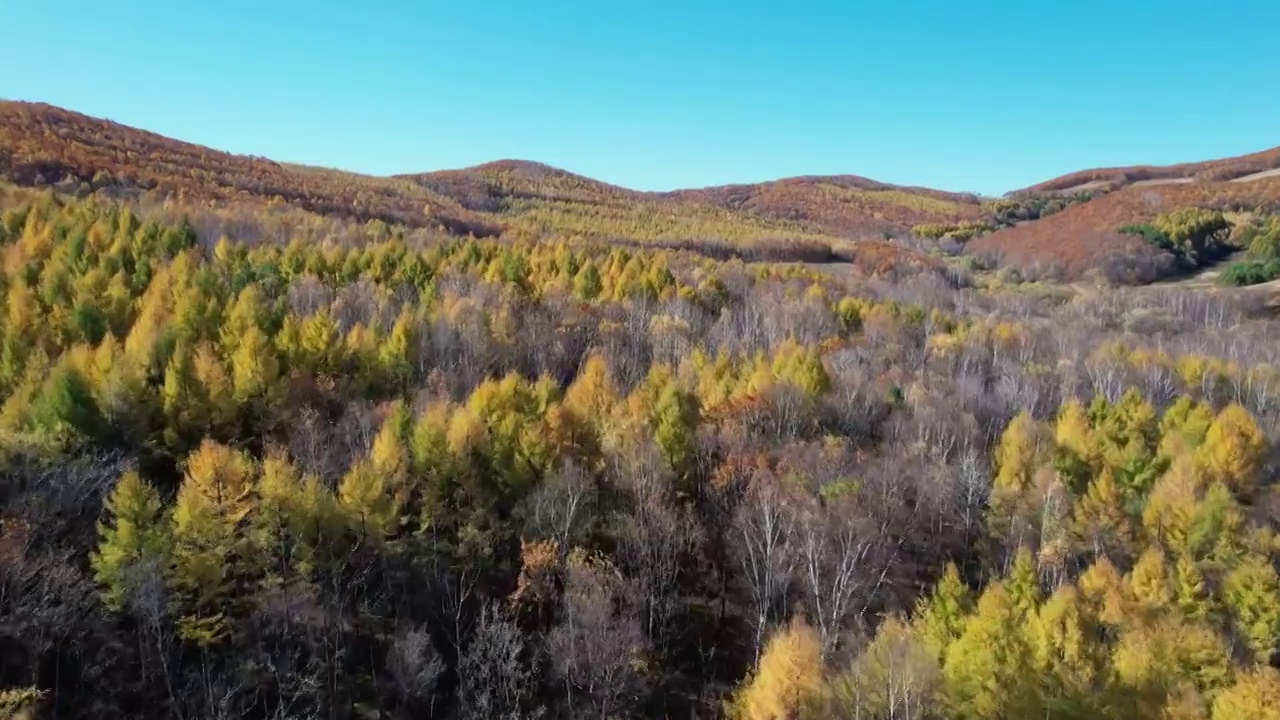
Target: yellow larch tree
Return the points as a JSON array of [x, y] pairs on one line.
[[788, 682], [989, 670], [1254, 696], [210, 549], [133, 534], [1234, 450]]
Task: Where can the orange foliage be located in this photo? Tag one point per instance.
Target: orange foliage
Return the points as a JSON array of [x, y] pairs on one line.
[[847, 205], [1085, 236], [42, 144], [1118, 177]]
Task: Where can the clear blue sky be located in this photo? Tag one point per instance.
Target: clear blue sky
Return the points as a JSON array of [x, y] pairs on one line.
[[657, 94]]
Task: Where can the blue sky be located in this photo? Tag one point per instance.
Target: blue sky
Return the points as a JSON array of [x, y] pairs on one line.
[[985, 96]]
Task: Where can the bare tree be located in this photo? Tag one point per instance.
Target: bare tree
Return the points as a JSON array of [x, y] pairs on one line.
[[495, 681], [839, 565], [309, 295], [895, 678], [561, 508], [595, 649], [763, 526], [657, 537], [214, 689], [415, 668], [362, 303], [148, 601]]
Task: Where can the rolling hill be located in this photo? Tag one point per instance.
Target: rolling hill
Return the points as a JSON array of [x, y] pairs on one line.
[[1084, 236], [534, 199], [843, 204], [490, 187], [45, 145], [1243, 168], [802, 218]]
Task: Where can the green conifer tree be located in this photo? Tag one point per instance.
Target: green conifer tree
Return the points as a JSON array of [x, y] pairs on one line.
[[133, 535], [1251, 593], [941, 616], [989, 670]]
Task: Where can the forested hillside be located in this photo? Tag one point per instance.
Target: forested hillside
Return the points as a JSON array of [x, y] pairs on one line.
[[1070, 228], [509, 442], [280, 466], [1087, 234], [797, 219], [1242, 168]]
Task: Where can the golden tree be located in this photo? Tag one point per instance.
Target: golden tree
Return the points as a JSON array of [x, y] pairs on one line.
[[788, 682]]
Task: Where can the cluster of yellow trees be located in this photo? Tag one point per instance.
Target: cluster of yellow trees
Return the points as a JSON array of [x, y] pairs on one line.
[[99, 305], [717, 418], [119, 326], [660, 222], [1139, 588], [962, 231]]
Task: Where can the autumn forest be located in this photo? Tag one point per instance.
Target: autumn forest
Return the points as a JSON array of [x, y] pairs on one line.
[[506, 443]]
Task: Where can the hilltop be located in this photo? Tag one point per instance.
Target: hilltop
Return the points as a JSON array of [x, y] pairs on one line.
[[531, 199], [811, 207], [487, 187], [843, 204]]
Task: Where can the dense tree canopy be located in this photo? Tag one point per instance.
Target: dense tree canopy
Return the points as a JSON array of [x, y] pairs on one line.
[[381, 473]]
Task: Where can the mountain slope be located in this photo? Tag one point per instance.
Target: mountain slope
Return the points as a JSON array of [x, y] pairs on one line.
[[42, 144], [1242, 168], [485, 188], [801, 218], [1084, 236], [847, 205], [537, 199]]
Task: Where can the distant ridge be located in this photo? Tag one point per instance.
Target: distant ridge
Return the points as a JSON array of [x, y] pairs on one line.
[[44, 144], [1085, 235], [797, 218], [843, 204], [1241, 168]]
